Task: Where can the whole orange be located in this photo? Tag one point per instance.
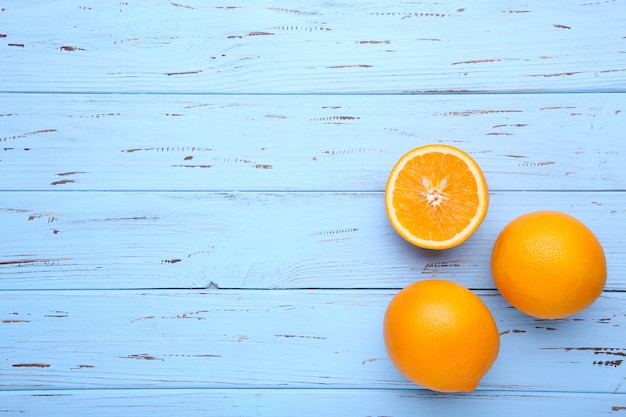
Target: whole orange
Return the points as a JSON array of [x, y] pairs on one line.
[[441, 336], [548, 265]]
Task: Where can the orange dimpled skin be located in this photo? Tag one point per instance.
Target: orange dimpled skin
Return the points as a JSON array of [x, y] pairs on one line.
[[441, 336], [548, 265]]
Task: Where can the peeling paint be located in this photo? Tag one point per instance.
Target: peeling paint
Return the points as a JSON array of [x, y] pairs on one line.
[[614, 363], [432, 267], [61, 182], [32, 261], [478, 61], [71, 48], [336, 231], [292, 336], [170, 74], [594, 350], [142, 318], [171, 261], [31, 365], [536, 164], [558, 74], [557, 107], [350, 66], [291, 11], [370, 360], [64, 174], [475, 112], [23, 135], [386, 42], [181, 5], [142, 356], [52, 216], [332, 119]]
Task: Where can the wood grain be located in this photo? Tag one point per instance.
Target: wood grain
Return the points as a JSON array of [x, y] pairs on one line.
[[302, 402], [313, 47], [191, 200], [321, 143], [282, 339], [105, 240]]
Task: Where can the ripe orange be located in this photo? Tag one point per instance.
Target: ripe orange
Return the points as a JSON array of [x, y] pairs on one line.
[[441, 336], [548, 265], [436, 196]]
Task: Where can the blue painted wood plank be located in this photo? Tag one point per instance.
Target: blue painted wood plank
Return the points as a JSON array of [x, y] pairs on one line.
[[104, 240], [314, 46], [281, 339], [181, 142], [305, 402]]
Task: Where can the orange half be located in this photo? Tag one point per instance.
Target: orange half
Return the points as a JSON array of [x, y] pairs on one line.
[[436, 196]]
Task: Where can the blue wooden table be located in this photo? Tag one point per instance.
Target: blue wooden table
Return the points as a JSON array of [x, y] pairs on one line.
[[191, 200]]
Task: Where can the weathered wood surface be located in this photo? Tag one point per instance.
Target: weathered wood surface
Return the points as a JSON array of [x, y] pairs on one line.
[[279, 339], [302, 402], [311, 47], [191, 200], [105, 240], [337, 142]]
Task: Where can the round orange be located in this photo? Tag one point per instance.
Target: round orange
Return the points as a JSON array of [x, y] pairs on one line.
[[441, 336], [548, 265], [436, 196]]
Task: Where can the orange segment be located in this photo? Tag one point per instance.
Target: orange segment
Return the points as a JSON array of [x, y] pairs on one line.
[[436, 196]]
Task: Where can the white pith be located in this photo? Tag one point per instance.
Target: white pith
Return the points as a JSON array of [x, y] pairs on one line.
[[435, 196]]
